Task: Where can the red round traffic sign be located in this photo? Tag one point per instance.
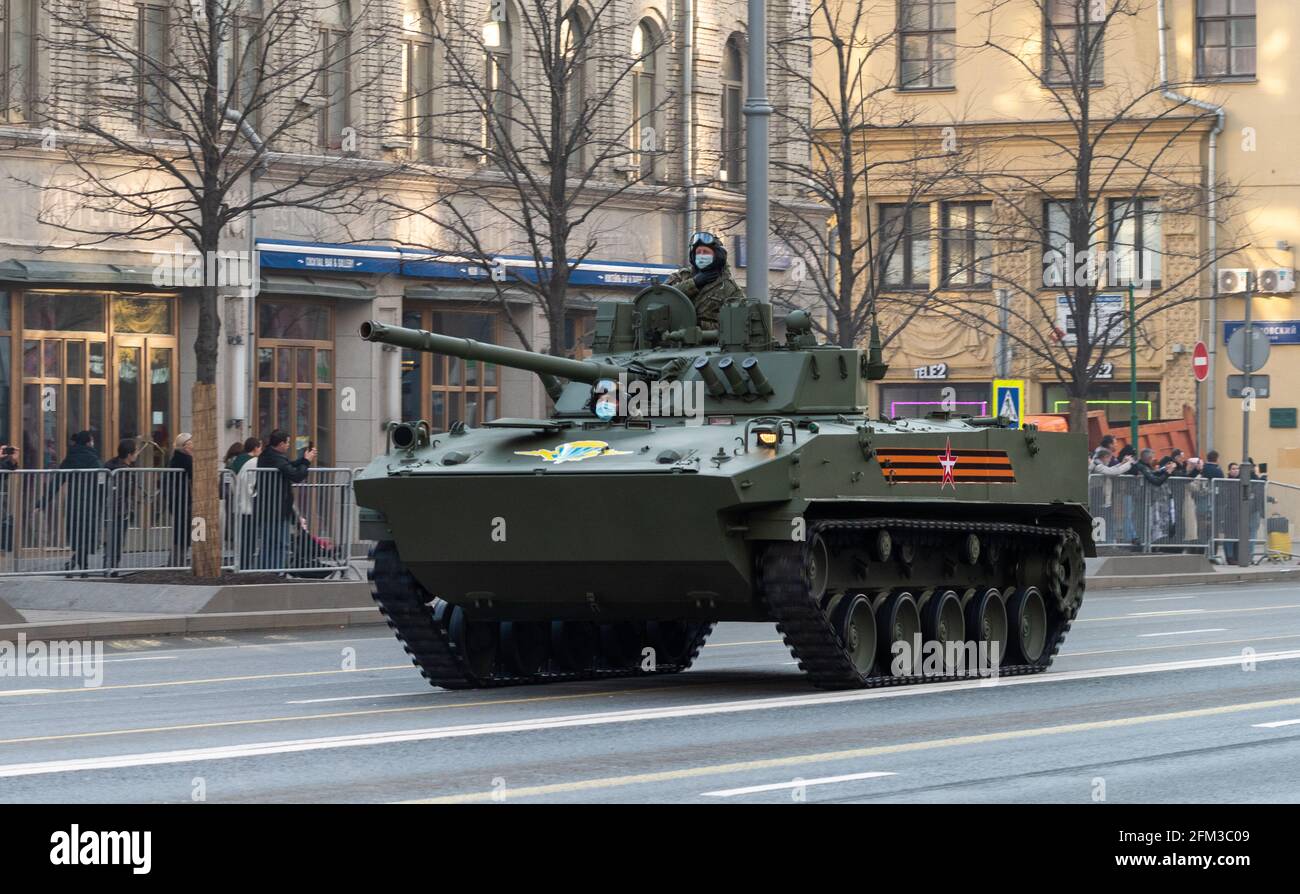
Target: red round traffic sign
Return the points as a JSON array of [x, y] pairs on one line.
[[1201, 361]]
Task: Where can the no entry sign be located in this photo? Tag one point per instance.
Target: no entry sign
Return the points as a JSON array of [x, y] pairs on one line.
[[1200, 361]]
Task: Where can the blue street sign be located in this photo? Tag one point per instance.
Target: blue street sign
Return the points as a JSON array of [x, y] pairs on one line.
[[1279, 332]]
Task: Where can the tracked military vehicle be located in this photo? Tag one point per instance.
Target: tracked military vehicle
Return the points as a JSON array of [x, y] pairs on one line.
[[687, 476]]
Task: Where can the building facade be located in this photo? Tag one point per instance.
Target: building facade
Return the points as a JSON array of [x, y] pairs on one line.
[[90, 341], [1204, 194]]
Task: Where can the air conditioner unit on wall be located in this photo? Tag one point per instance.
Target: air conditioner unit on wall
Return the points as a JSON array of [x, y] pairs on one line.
[[1232, 279], [1275, 280]]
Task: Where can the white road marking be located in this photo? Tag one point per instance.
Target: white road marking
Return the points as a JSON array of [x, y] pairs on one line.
[[794, 783], [1185, 632], [1165, 598], [24, 691], [355, 698], [84, 658], [1275, 724], [1174, 611], [291, 746]]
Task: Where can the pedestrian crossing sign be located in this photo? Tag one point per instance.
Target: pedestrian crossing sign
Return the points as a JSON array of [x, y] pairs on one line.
[[1009, 401]]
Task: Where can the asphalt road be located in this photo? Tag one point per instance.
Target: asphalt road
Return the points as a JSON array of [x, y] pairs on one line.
[[1156, 697]]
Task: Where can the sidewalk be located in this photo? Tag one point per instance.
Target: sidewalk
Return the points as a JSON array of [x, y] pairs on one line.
[[55, 608]]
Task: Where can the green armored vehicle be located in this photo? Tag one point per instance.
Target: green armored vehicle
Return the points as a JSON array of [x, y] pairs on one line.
[[688, 476]]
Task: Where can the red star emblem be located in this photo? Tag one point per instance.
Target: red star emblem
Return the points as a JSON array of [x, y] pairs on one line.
[[949, 461]]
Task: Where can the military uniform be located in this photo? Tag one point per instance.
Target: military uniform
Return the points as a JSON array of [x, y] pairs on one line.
[[709, 298]]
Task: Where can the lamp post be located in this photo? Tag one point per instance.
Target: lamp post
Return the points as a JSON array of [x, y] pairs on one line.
[[1132, 368]]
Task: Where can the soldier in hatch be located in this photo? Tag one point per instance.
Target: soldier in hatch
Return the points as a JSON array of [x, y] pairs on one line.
[[707, 281]]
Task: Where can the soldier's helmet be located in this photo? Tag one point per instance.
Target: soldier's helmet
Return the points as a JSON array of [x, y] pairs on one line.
[[708, 240]]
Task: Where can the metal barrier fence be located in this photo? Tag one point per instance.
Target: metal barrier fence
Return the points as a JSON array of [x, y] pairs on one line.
[[1194, 515], [101, 521]]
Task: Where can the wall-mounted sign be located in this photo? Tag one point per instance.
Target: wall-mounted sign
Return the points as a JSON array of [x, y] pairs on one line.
[[1279, 332], [931, 372], [1107, 324], [1105, 371], [1258, 382], [1281, 417], [1009, 401]]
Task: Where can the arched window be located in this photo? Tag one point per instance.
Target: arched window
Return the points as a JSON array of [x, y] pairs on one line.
[[573, 47], [417, 77], [18, 19], [335, 63], [733, 125], [498, 48], [644, 132]]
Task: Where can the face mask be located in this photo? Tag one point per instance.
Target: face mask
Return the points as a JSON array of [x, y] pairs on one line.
[[606, 409], [703, 259]]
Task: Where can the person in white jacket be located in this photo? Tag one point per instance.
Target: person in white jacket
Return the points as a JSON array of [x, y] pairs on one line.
[[245, 493], [1102, 487]]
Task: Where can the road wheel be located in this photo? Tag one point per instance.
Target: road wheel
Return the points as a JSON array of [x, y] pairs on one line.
[[1028, 615], [621, 644], [986, 624], [944, 623], [855, 622], [476, 641], [899, 621], [525, 646], [575, 644]]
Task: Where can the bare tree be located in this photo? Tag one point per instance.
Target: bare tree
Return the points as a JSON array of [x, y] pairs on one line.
[[553, 122], [173, 107], [1103, 168], [867, 146]]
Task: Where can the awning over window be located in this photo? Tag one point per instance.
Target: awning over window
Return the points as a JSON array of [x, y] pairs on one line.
[[316, 287], [431, 292], [50, 273]]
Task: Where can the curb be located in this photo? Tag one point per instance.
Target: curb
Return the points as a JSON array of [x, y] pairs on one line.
[[180, 625], [1130, 581]]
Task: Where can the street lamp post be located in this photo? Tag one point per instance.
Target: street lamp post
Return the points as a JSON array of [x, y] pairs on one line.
[[757, 112], [1246, 470], [1132, 369]]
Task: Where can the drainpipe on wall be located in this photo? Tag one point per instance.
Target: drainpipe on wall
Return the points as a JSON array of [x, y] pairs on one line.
[[1212, 197], [688, 116], [241, 361]]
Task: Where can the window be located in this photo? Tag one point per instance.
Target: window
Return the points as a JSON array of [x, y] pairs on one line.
[[966, 243], [152, 71], [1113, 397], [498, 37], [98, 363], [1072, 41], [1061, 257], [579, 330], [1135, 242], [915, 401], [905, 246], [733, 126], [246, 94], [1225, 38], [440, 389], [295, 373], [417, 77], [336, 52], [6, 370], [573, 47], [18, 20], [644, 132], [926, 35]]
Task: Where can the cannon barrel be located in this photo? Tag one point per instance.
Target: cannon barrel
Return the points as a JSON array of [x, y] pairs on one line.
[[588, 371]]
